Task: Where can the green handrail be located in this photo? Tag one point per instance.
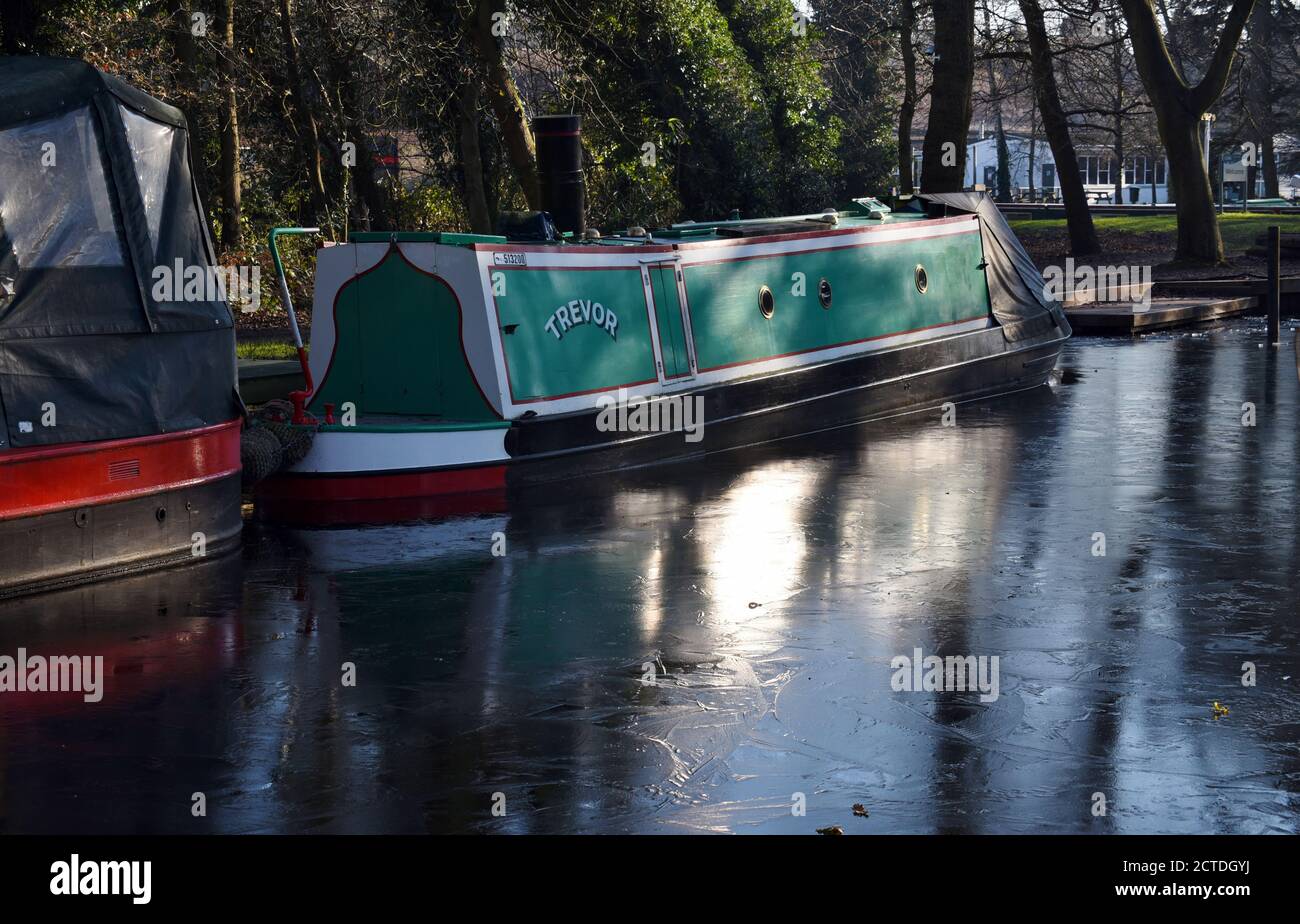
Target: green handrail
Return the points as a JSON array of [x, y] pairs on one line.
[[288, 302]]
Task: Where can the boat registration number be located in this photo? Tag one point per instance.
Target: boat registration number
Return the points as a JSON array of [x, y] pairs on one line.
[[510, 259]]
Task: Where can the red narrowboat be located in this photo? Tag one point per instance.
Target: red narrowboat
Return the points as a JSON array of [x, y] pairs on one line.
[[119, 409]]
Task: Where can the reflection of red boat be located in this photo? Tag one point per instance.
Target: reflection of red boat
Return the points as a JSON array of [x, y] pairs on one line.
[[154, 631], [291, 510], [119, 415]]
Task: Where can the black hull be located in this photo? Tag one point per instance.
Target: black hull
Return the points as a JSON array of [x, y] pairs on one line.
[[908, 379], [75, 545]]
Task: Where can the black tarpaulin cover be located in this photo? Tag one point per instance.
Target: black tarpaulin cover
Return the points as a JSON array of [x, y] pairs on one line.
[[1017, 291], [98, 210]]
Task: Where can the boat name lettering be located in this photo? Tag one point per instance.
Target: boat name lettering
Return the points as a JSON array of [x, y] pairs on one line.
[[582, 311]]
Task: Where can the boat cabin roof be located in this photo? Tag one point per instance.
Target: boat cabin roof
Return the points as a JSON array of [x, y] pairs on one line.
[[867, 212]]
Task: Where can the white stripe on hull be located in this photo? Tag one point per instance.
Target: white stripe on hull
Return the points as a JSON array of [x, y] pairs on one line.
[[362, 451]]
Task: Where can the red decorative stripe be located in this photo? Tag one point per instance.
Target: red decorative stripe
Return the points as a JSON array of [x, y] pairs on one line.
[[48, 478], [381, 486]]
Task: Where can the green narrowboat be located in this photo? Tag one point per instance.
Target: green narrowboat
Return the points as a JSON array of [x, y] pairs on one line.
[[447, 365]]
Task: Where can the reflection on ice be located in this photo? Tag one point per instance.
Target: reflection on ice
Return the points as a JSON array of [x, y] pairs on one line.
[[694, 648]]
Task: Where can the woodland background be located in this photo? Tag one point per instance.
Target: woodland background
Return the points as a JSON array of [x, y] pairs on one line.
[[755, 105]]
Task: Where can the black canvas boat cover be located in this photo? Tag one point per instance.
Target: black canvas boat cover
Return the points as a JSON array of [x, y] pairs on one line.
[[1017, 291], [100, 228]]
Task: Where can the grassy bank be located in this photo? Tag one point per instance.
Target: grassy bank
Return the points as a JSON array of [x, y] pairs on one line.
[[1239, 229], [265, 349]]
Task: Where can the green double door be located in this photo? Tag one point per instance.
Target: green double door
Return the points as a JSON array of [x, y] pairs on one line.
[[674, 335]]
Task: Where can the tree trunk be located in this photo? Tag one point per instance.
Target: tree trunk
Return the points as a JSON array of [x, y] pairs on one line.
[[906, 111], [1259, 95], [1004, 164], [1270, 167], [231, 234], [471, 158], [1078, 220], [1033, 144], [1003, 193], [1178, 108], [505, 99], [1117, 76], [369, 208], [943, 157], [373, 208], [1189, 186], [186, 51], [1118, 166], [304, 118]]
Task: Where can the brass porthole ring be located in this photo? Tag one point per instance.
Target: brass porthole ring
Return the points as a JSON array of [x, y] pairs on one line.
[[824, 293], [766, 302], [922, 280]]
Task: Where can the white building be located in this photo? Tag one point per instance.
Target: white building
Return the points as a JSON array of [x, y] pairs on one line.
[[1144, 178]]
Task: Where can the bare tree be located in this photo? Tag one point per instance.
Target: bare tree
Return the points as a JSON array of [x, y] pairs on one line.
[[943, 156], [303, 117], [231, 179], [474, 192], [1078, 220], [186, 52], [906, 108], [488, 28], [1179, 106]]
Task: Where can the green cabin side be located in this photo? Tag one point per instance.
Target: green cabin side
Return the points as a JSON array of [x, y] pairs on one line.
[[577, 330], [873, 293], [873, 287], [398, 349], [557, 334]]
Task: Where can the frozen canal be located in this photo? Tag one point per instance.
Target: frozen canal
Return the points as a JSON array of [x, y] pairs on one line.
[[764, 594]]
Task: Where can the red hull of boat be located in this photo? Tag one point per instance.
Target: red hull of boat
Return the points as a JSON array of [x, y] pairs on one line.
[[80, 511], [382, 497]]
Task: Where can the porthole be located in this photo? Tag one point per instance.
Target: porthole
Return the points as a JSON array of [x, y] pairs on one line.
[[824, 293], [922, 281], [766, 303]]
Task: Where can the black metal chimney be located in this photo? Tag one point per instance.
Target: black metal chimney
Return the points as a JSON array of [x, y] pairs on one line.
[[559, 170]]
